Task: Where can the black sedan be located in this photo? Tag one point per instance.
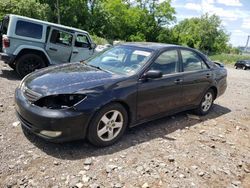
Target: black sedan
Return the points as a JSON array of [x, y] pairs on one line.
[[243, 64], [124, 86]]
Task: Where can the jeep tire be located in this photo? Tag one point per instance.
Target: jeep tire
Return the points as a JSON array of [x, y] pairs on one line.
[[28, 63]]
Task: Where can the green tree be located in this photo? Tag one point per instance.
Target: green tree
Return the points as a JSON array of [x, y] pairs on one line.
[[204, 33], [30, 8]]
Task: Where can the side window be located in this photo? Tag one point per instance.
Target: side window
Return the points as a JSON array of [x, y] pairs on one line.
[[28, 29], [4, 25], [60, 37], [82, 41], [192, 61], [167, 62]]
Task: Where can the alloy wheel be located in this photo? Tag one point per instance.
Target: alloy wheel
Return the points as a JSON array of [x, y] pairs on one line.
[[110, 125], [207, 102]]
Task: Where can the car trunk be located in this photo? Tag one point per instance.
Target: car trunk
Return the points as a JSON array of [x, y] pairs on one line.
[[3, 30]]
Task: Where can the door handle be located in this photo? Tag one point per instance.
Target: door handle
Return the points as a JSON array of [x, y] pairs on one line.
[[178, 81], [75, 52], [53, 49], [208, 75]]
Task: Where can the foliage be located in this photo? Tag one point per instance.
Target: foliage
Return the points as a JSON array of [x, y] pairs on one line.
[[228, 58], [204, 33], [127, 20], [99, 40], [30, 8]]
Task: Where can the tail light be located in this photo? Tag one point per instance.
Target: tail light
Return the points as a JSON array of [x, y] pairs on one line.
[[6, 42]]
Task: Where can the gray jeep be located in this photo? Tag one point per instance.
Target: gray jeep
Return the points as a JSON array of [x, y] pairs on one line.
[[30, 44]]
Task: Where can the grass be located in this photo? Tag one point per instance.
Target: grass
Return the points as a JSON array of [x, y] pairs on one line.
[[229, 58]]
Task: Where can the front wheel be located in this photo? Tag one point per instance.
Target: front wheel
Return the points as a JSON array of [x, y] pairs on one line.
[[108, 125], [29, 63], [244, 67], [206, 103]]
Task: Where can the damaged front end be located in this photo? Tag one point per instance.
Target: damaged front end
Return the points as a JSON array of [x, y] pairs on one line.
[[61, 101], [53, 101]]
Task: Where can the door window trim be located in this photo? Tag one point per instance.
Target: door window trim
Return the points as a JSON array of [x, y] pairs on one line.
[[75, 38], [63, 45], [156, 56], [181, 61]]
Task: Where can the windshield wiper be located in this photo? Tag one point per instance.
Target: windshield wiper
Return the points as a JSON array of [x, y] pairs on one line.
[[99, 68]]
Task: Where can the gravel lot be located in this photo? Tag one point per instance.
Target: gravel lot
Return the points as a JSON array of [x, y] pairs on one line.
[[176, 151]]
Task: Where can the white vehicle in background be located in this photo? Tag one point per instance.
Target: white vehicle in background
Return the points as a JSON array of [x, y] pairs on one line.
[[28, 44], [100, 48]]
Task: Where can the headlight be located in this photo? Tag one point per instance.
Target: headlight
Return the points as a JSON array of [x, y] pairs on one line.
[[62, 101]]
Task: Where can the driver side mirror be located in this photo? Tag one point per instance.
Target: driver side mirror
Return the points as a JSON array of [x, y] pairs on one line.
[[152, 74], [92, 46]]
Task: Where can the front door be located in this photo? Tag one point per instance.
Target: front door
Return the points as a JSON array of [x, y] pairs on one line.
[[81, 48], [157, 96], [59, 46]]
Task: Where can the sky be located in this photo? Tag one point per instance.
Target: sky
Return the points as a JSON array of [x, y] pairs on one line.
[[235, 15]]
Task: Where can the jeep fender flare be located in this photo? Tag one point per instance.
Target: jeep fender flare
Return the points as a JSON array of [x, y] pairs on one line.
[[27, 47]]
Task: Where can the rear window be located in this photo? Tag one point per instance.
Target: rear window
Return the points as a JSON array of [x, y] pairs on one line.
[[4, 25], [28, 29]]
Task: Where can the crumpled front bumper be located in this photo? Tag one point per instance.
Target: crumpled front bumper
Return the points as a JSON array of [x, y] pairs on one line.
[[71, 125]]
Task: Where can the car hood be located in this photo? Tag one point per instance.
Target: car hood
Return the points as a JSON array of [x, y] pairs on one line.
[[68, 78]]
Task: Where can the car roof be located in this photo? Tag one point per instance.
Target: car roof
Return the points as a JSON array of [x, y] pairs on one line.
[[152, 45], [48, 23]]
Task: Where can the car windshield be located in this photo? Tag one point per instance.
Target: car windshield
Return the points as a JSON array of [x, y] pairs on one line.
[[124, 60]]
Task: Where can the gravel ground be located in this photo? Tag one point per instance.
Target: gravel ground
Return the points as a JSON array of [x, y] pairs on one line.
[[177, 151]]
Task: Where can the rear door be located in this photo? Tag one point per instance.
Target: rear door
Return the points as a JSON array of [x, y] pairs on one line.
[[197, 77], [81, 48], [59, 45]]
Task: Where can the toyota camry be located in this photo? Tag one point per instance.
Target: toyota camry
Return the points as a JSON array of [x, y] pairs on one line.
[[121, 87]]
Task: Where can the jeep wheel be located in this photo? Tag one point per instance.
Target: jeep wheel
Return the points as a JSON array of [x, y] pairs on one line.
[[29, 63], [12, 65]]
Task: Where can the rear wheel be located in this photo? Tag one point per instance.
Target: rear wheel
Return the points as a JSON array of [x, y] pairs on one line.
[[244, 67], [206, 103], [108, 125], [29, 63]]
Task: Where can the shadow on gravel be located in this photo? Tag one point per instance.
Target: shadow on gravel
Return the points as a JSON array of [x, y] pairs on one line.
[[143, 133], [9, 74]]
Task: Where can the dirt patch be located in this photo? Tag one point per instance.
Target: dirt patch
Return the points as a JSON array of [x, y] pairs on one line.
[[176, 151]]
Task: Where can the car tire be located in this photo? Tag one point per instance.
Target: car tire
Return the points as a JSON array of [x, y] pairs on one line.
[[206, 103], [236, 67], [29, 63], [108, 125], [244, 67]]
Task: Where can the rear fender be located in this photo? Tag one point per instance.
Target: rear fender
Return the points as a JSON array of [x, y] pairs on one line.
[[22, 47]]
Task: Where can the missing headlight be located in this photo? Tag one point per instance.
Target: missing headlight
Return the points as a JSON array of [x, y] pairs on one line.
[[63, 101]]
